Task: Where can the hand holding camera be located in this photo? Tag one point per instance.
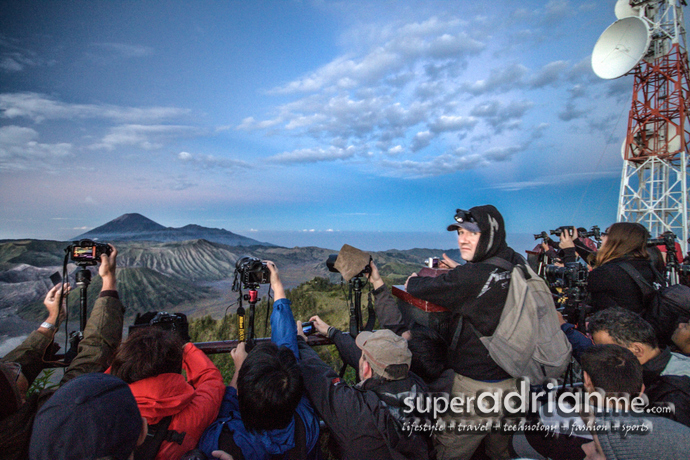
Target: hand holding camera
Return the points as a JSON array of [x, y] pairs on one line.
[[107, 269], [319, 325]]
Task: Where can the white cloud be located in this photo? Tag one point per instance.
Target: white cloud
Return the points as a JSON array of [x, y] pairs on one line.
[[39, 107], [314, 155], [20, 150], [123, 50], [401, 89], [212, 162], [147, 137]]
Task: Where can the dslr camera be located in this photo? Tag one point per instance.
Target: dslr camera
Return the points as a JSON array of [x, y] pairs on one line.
[[566, 228], [176, 322], [572, 275], [252, 271], [593, 233], [87, 252]]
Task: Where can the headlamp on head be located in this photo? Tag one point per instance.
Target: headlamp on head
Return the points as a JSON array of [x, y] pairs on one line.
[[462, 216]]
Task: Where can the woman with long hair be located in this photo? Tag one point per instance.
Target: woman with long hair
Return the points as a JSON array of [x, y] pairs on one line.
[[609, 284]]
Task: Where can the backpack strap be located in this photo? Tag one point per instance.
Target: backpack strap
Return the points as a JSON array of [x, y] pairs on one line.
[[157, 434], [495, 261], [644, 285]]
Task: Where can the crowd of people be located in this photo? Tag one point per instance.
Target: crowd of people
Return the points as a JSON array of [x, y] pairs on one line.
[[422, 391]]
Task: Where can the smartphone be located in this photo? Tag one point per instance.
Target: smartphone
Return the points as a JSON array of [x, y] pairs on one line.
[[56, 278]]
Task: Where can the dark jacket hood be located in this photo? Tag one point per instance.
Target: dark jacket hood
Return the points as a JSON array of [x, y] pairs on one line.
[[493, 233]]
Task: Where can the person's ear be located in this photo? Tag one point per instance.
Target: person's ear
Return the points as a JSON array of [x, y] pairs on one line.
[[144, 431], [637, 349], [366, 370]]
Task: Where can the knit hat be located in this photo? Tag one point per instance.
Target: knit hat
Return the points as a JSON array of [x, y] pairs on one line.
[[386, 353], [663, 439], [92, 416]]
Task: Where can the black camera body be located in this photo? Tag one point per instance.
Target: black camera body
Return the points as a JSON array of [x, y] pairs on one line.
[[667, 239], [176, 322], [543, 235], [252, 271], [573, 274], [308, 328], [593, 233], [565, 228], [87, 252]]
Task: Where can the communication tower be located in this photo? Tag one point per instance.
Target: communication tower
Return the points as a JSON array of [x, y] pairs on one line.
[[648, 41]]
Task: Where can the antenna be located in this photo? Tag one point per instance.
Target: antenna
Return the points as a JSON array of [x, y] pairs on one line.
[[648, 42], [624, 10], [622, 45]]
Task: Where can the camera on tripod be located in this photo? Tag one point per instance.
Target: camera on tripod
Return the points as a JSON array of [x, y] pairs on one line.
[[667, 239], [330, 263], [176, 322], [353, 264], [87, 252], [252, 271], [573, 274]]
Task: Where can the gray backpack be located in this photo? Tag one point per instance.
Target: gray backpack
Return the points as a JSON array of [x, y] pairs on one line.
[[528, 341]]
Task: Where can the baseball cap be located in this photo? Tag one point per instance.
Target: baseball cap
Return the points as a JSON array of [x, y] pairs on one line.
[[385, 352], [464, 219], [92, 416]]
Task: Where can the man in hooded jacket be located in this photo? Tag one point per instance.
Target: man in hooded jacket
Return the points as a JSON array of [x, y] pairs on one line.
[[477, 292]]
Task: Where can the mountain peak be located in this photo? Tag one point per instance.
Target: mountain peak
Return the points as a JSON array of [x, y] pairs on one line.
[[132, 223], [135, 227]]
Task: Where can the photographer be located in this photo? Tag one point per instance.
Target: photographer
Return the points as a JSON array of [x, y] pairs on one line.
[[608, 283], [264, 411], [428, 348], [151, 361], [572, 246], [366, 420], [22, 365], [477, 292]]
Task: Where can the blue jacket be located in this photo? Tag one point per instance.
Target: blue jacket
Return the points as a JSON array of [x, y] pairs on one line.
[[261, 445]]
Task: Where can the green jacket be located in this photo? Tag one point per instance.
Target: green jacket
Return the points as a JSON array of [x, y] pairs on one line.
[[102, 336]]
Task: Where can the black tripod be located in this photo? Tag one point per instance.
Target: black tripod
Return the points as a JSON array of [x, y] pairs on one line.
[[356, 285], [83, 279]]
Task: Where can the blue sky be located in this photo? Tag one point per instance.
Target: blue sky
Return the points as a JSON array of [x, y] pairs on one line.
[[320, 116]]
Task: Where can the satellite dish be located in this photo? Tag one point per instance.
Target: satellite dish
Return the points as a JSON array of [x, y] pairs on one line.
[[624, 10], [620, 48]]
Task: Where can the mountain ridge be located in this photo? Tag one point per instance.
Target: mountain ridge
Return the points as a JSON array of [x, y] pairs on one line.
[[136, 227]]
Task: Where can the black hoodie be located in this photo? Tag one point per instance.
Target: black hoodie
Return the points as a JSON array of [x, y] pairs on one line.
[[478, 292]]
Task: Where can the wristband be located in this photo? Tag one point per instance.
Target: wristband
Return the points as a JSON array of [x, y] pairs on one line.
[[47, 325]]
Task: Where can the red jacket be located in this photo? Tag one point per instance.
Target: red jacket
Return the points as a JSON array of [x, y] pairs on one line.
[[193, 403]]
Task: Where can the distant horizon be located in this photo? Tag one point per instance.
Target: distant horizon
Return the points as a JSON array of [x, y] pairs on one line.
[[374, 241]]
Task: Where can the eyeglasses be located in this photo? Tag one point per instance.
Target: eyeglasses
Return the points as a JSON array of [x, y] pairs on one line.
[[462, 216]]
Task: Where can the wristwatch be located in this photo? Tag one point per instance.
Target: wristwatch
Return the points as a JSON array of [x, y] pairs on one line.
[[47, 325]]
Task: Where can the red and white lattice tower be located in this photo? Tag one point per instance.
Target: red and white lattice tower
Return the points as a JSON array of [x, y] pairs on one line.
[[654, 189]]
